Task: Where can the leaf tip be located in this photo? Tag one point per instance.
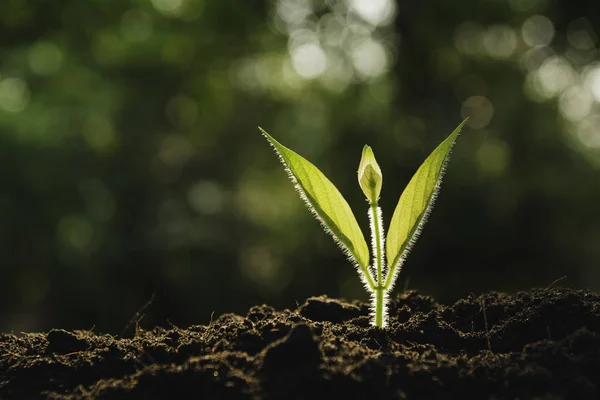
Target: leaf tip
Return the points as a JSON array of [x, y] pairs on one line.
[[462, 124], [270, 138]]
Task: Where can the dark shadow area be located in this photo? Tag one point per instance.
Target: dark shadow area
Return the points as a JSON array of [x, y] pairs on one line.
[[131, 166]]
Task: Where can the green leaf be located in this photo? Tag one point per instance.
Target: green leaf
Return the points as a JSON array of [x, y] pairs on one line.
[[415, 204], [325, 202], [370, 178]]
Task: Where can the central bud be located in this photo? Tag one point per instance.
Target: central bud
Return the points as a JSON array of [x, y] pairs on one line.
[[370, 178]]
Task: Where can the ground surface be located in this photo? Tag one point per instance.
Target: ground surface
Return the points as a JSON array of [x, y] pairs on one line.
[[542, 344]]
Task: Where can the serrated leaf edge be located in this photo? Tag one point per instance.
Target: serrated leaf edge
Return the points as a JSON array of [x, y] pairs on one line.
[[415, 233], [362, 269]]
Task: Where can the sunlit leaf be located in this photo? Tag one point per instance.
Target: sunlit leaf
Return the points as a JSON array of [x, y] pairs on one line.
[[325, 202], [415, 204]]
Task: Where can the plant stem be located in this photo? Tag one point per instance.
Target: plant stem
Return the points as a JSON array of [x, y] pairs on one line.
[[379, 307], [377, 243]]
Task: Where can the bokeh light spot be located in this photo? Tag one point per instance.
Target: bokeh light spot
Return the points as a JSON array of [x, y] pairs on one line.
[[45, 58], [205, 197], [294, 12], [537, 30], [107, 46], [493, 156], [581, 35], [332, 29], [168, 7], [309, 60], [338, 75], [480, 111], [375, 12], [14, 95], [575, 103], [244, 74], [467, 38], [500, 41], [592, 80], [555, 75], [136, 26], [75, 231], [369, 58], [588, 131], [532, 59]]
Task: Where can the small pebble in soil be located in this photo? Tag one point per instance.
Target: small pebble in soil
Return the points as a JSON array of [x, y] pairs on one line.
[[62, 342], [325, 309]]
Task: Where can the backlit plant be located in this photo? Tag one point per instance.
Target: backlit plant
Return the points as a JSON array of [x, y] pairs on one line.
[[327, 204]]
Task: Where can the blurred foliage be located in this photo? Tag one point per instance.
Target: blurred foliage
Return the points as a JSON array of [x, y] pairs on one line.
[[130, 162]]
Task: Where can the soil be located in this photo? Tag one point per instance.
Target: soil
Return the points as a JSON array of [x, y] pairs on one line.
[[542, 344]]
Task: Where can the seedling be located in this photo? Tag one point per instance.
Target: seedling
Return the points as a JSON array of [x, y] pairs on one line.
[[327, 204]]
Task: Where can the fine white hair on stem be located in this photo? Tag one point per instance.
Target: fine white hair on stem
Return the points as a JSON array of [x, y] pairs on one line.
[[384, 308], [374, 239], [379, 297], [349, 255], [416, 231]]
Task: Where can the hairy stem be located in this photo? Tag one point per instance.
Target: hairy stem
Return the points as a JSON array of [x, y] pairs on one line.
[[377, 244], [380, 307]]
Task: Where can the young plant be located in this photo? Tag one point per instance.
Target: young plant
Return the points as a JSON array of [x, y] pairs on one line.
[[331, 209]]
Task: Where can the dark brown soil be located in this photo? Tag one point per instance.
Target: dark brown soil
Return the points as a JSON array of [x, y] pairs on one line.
[[542, 344]]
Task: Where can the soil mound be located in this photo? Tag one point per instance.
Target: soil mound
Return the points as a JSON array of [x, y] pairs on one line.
[[542, 344]]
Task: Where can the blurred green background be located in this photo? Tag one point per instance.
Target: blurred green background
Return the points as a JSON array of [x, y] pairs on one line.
[[131, 163]]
